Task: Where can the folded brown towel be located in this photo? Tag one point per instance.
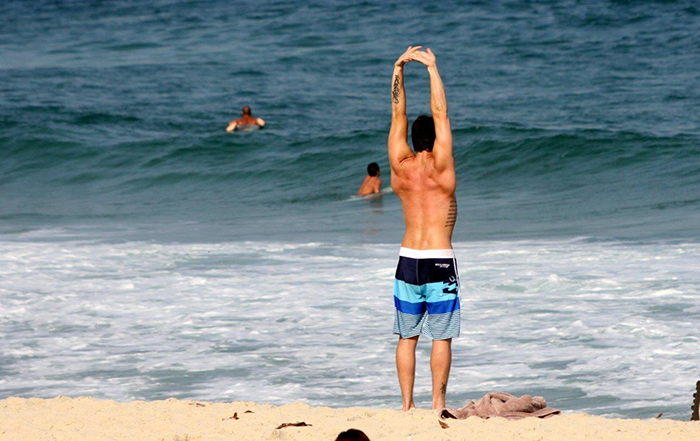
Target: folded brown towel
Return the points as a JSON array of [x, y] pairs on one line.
[[502, 404]]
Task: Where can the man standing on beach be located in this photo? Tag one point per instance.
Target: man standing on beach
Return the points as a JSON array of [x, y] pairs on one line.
[[426, 289]]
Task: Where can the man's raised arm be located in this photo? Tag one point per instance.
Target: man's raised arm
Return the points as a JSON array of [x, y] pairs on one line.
[[442, 149], [398, 135]]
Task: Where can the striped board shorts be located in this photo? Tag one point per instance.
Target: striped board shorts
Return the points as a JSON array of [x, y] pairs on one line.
[[426, 294]]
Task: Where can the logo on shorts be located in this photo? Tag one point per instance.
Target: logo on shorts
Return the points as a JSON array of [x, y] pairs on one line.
[[442, 265], [450, 287]]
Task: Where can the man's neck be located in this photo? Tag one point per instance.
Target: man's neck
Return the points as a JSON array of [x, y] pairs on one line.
[[424, 155]]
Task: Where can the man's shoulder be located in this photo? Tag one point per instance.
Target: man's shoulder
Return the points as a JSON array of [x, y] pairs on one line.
[[440, 169], [414, 171], [407, 162], [412, 164]]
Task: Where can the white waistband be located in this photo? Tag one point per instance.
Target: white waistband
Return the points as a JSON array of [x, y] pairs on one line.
[[427, 254]]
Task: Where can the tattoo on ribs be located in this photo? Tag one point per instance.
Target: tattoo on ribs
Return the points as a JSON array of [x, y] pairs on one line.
[[443, 389], [452, 214], [395, 90]]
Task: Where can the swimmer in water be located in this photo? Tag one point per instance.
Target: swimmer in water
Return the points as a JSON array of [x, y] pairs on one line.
[[372, 183], [246, 120]]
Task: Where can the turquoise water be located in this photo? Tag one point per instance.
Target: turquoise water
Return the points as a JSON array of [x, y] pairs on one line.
[[576, 127]]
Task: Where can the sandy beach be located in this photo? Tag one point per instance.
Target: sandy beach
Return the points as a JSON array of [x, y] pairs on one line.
[[86, 418]]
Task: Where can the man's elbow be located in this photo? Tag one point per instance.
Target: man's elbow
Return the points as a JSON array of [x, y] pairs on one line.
[[442, 123]]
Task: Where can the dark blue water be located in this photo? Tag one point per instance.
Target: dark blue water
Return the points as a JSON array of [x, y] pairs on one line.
[[570, 118]]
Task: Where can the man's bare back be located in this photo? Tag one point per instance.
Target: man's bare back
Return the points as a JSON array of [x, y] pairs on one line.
[[429, 205], [426, 285], [370, 185]]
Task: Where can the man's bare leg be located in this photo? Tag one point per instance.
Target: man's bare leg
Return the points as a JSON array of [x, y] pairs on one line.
[[406, 368], [440, 361]]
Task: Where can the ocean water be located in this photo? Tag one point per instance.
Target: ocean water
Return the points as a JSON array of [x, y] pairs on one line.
[[145, 253]]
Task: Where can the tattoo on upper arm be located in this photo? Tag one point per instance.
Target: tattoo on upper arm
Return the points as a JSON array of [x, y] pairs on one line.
[[452, 214], [395, 90]]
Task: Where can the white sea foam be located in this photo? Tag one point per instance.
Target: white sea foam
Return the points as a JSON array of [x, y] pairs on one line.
[[606, 328]]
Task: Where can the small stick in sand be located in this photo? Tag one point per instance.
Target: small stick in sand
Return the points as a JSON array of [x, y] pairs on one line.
[[301, 424]]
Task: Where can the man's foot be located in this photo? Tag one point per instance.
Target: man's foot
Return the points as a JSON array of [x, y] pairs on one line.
[[408, 407]]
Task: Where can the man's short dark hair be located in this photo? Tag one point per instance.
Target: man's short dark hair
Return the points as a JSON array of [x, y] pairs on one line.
[[246, 111], [373, 169], [423, 133], [352, 435]]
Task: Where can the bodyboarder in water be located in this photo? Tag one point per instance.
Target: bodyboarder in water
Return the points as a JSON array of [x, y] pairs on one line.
[[246, 122], [426, 288]]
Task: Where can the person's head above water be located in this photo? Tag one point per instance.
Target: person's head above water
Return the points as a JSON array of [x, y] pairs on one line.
[[373, 169], [247, 111], [423, 134]]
